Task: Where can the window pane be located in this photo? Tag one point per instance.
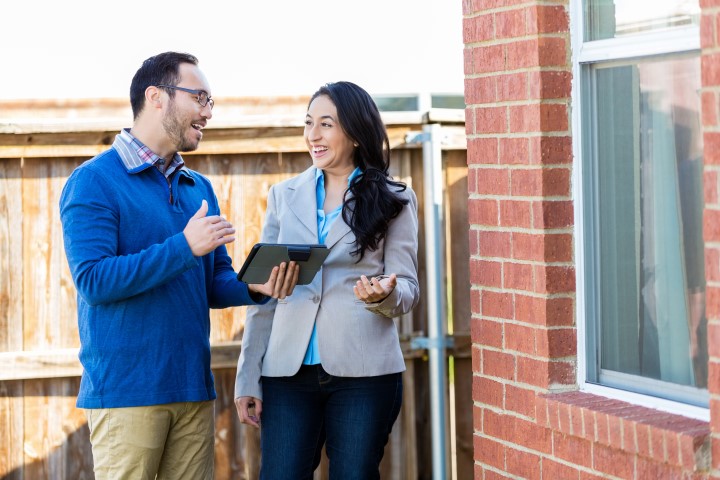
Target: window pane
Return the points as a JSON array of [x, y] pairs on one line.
[[609, 19], [646, 248]]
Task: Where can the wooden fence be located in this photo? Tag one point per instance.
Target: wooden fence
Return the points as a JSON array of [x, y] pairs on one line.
[[43, 435]]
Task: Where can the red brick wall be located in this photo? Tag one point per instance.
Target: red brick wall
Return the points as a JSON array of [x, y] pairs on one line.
[[529, 419], [710, 64]]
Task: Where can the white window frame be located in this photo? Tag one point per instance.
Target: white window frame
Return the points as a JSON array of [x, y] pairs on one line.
[[678, 40]]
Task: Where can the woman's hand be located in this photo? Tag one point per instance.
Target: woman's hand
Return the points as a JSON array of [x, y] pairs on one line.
[[374, 290], [281, 283], [249, 410]]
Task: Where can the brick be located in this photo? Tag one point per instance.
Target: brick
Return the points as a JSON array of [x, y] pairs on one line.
[[477, 418], [560, 312], [486, 273], [483, 212], [511, 23], [615, 430], [488, 391], [476, 355], [552, 470], [572, 449], [474, 241], [515, 214], [520, 338], [558, 343], [522, 54], [711, 147], [629, 438], [493, 181], [555, 150], [526, 182], [514, 151], [550, 84], [498, 364], [713, 341], [657, 444], [712, 264], [541, 411], [553, 51], [512, 87], [520, 400], [490, 333], [710, 71], [554, 279], [468, 58], [518, 276], [488, 59], [712, 303], [707, 30], [553, 214], [548, 19], [478, 29], [710, 185], [497, 305], [522, 464], [480, 90], [612, 462], [489, 452], [558, 247], [482, 151], [556, 182], [528, 246], [495, 244], [490, 120], [535, 437], [529, 309], [711, 225]]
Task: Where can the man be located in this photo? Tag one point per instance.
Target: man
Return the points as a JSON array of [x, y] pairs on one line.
[[146, 247]]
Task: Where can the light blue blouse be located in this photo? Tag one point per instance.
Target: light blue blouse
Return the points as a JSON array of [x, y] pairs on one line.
[[324, 222]]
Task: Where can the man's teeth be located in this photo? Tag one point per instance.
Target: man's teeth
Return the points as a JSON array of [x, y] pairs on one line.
[[197, 126]]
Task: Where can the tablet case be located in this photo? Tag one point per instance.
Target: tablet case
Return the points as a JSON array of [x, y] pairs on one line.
[[264, 256]]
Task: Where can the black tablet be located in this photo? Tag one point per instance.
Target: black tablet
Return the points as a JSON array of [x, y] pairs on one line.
[[264, 256]]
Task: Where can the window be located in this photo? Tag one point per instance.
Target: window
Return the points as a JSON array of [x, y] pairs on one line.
[[638, 87]]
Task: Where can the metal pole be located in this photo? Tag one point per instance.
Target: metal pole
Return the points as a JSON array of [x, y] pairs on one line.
[[434, 258]]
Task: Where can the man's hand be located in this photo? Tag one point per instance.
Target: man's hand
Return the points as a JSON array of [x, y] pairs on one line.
[[249, 410], [281, 283], [204, 234]]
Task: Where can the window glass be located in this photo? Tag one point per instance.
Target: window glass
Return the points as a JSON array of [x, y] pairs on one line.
[[610, 19], [643, 204]]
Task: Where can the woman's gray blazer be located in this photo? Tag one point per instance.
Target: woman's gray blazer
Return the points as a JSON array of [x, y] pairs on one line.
[[355, 339]]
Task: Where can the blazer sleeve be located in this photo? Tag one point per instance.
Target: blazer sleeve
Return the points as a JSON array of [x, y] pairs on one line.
[[400, 258], [258, 321]]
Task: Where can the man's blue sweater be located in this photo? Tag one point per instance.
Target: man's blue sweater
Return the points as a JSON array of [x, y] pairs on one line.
[[143, 298]]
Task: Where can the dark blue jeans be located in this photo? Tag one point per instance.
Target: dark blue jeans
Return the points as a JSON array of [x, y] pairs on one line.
[[352, 417]]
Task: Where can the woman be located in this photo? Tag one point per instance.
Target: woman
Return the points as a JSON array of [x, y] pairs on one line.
[[323, 366]]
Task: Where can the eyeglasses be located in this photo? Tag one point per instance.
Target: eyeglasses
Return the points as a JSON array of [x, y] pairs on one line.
[[202, 96]]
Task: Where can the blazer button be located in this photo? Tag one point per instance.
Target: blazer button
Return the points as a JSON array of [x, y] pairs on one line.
[[316, 298]]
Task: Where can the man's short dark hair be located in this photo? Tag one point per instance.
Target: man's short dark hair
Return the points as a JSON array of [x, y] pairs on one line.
[[162, 69]]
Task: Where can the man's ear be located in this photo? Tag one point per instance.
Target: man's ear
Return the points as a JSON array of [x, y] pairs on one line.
[[152, 97]]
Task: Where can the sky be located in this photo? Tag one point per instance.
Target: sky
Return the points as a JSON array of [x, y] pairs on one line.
[[91, 48]]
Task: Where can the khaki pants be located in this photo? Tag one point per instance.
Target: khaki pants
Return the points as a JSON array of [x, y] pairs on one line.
[[163, 442]]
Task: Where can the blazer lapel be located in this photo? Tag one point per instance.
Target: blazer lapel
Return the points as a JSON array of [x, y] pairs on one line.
[[301, 201], [338, 230]]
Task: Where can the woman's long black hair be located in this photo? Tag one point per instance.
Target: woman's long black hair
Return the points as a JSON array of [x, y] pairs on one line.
[[372, 199]]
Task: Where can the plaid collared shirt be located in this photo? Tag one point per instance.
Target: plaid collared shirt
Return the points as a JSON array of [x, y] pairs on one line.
[[138, 153]]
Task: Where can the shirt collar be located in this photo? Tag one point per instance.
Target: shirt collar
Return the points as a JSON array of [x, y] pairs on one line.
[[137, 156], [320, 178]]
